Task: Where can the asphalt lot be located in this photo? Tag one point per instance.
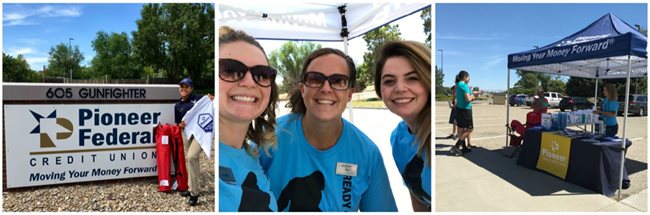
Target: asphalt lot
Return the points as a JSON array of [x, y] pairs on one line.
[[490, 135]]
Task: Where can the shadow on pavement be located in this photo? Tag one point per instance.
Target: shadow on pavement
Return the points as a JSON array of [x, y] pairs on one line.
[[634, 166], [533, 182]]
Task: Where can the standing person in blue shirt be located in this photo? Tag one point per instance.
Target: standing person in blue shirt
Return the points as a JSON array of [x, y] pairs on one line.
[[191, 146], [322, 162], [608, 110], [464, 118], [248, 98], [403, 81]]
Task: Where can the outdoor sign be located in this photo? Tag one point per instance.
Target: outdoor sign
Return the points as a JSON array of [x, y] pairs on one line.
[[65, 143], [87, 92], [554, 154]]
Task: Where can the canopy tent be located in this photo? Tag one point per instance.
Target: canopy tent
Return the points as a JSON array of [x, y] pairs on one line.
[[313, 21], [606, 49]]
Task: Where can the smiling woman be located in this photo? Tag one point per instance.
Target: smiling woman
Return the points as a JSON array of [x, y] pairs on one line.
[[403, 81], [247, 102], [322, 161]]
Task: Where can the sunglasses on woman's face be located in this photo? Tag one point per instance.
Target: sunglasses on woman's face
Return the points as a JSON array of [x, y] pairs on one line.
[[316, 80], [231, 70]]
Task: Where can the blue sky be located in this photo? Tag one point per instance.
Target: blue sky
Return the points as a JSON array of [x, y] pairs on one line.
[[478, 37], [32, 29]]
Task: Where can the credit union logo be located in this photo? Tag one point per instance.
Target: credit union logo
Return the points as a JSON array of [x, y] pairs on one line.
[[555, 146], [205, 122], [45, 139]]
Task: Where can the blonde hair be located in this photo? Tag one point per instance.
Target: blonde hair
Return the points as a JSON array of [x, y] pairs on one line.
[[262, 130], [419, 56]]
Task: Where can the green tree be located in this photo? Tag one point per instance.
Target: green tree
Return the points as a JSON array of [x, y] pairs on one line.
[[440, 76], [288, 61], [556, 85], [374, 39], [177, 39], [426, 17], [113, 58], [17, 69], [527, 83], [583, 87], [63, 60]]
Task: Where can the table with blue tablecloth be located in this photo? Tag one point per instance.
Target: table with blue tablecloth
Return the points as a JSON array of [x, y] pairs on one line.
[[593, 162]]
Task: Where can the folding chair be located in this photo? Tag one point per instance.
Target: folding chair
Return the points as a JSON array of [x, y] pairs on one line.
[[516, 131]]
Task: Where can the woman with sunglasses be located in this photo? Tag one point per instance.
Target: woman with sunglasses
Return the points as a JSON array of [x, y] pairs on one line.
[[247, 102], [403, 81], [323, 162]]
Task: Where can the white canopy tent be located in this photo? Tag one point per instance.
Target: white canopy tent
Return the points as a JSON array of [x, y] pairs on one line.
[[313, 21], [608, 48]]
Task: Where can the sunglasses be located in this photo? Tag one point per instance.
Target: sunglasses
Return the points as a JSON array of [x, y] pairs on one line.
[[316, 80], [231, 70]]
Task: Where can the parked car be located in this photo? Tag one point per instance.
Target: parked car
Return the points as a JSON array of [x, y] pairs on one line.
[[553, 98], [517, 99], [529, 100], [638, 104], [575, 103]]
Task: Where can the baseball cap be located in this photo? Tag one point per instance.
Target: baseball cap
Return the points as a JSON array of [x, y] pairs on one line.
[[186, 81]]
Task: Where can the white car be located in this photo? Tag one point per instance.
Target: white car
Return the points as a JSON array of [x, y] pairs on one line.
[[553, 98]]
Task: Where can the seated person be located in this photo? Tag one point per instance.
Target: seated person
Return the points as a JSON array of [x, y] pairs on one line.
[[540, 104]]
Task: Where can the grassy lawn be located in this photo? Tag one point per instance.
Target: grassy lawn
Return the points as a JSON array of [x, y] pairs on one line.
[[368, 104]]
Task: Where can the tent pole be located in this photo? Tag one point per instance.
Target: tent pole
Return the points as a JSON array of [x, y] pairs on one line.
[[344, 34], [595, 99], [627, 99], [507, 107], [345, 50]]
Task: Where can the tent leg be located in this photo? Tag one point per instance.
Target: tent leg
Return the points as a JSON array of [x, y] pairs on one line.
[[627, 98], [595, 100], [345, 50], [507, 107]]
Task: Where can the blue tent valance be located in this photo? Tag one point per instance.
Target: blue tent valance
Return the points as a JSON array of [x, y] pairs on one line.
[[598, 51]]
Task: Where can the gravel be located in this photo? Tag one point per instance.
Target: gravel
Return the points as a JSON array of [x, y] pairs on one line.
[[129, 195]]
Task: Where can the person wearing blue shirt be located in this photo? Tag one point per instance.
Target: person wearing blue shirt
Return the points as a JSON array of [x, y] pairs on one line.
[[403, 82], [323, 162], [186, 102], [464, 118], [608, 110], [248, 97], [191, 147]]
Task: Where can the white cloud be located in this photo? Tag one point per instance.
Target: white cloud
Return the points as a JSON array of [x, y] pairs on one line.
[[27, 16], [20, 51], [52, 11], [493, 61], [32, 41], [14, 16], [36, 60], [456, 37]]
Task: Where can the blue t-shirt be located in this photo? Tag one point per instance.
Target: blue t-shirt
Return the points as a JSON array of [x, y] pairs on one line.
[[609, 106], [415, 172], [242, 183], [349, 176], [461, 89], [181, 107]]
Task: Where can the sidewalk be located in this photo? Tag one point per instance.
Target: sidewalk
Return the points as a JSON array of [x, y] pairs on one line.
[[488, 181]]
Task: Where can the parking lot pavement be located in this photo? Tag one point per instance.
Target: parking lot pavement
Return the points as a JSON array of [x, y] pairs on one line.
[[490, 135]]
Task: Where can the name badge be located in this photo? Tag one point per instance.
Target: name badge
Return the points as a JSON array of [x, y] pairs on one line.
[[346, 169]]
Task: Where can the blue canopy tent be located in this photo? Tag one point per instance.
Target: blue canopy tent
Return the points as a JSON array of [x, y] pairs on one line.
[[606, 49]]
